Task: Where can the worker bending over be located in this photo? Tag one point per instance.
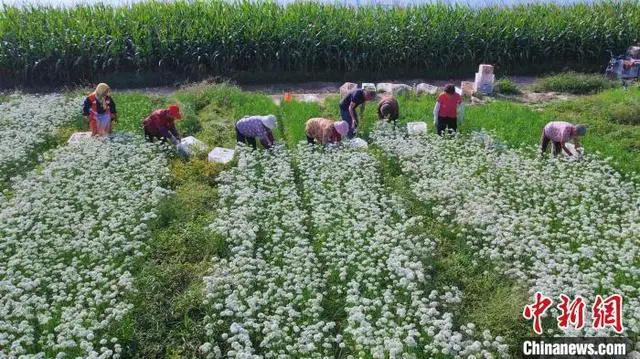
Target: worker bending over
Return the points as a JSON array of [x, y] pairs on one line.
[[250, 127], [325, 131], [389, 109], [559, 132], [348, 105], [161, 125]]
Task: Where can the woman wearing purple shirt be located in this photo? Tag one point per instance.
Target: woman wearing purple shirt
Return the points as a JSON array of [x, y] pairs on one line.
[[560, 132], [250, 127]]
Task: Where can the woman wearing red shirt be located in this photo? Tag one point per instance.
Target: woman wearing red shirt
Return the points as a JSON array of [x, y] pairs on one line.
[[448, 110]]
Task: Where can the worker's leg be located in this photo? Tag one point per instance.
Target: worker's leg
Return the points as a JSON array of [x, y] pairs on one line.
[[93, 126], [557, 148], [252, 142], [441, 125], [453, 125], [346, 117], [544, 143], [240, 137], [147, 135]]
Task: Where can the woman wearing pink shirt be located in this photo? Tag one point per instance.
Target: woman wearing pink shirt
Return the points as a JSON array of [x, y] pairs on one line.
[[559, 132]]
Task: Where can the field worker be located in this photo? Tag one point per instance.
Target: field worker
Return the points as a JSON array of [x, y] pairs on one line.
[[161, 125], [559, 133], [325, 131], [448, 110], [388, 108], [100, 110], [348, 105], [250, 127]]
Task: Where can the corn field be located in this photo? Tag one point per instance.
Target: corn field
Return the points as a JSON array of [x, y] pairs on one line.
[[200, 39]]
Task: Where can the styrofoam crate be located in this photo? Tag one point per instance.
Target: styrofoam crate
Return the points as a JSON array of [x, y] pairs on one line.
[[485, 69], [467, 88], [399, 89], [358, 143], [416, 128], [576, 153], [221, 155], [346, 88], [76, 136], [369, 86], [194, 143], [384, 87], [426, 88]]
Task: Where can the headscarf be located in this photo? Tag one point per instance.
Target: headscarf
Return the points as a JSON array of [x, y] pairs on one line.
[[269, 121], [101, 94], [581, 130], [342, 127]]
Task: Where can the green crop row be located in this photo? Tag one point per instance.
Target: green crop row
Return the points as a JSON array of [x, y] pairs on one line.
[[216, 38]]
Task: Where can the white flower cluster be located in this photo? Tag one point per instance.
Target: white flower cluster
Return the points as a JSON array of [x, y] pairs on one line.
[[26, 121], [557, 226], [376, 265], [70, 233], [266, 297]]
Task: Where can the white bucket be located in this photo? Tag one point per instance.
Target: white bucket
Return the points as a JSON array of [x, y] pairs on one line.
[[221, 155], [416, 128]]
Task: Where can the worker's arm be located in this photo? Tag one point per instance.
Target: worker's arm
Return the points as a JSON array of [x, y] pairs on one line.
[[362, 109], [114, 111], [565, 149], [174, 132], [86, 107], [352, 112]]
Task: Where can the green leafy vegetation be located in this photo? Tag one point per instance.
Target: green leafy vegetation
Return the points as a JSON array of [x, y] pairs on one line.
[[574, 83], [506, 87]]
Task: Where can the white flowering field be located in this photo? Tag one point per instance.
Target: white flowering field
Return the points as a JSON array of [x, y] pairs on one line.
[[303, 252], [556, 226], [360, 288], [70, 232], [26, 122]]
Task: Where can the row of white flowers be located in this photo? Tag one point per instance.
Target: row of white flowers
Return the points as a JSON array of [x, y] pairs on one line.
[[26, 121], [70, 232], [266, 297], [378, 267], [557, 226]]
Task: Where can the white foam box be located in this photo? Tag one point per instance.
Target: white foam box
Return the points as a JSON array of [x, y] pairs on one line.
[[346, 88], [416, 128], [485, 69], [369, 86], [398, 89], [76, 136], [384, 87], [426, 88], [221, 155], [467, 88], [358, 143], [192, 143], [576, 153], [484, 83]]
